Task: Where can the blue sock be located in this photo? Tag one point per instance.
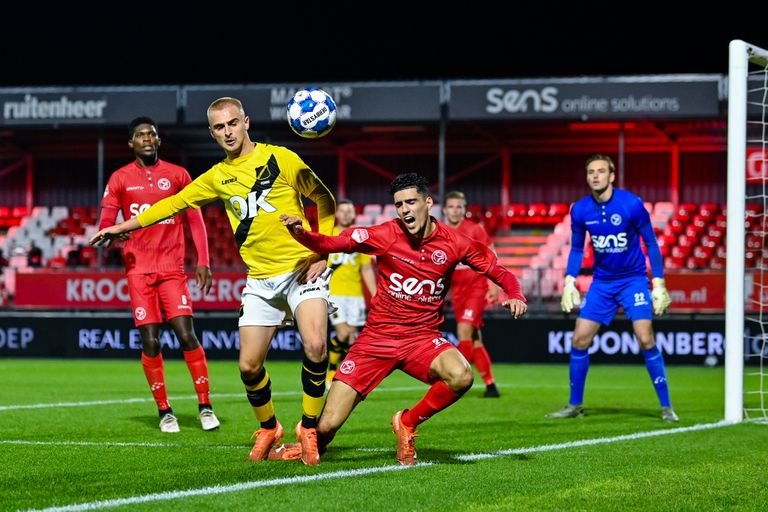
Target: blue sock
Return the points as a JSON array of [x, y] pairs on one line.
[[578, 374], [654, 361]]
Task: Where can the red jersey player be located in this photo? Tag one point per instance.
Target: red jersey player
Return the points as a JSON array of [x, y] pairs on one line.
[[154, 261], [470, 293], [416, 257]]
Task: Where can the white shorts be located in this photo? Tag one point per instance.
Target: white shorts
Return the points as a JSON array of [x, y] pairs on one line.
[[351, 310], [272, 301]]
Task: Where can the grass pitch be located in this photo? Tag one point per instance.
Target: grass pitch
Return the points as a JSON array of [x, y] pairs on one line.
[[83, 435]]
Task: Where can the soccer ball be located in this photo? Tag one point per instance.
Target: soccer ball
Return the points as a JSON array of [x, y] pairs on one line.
[[710, 361], [311, 113]]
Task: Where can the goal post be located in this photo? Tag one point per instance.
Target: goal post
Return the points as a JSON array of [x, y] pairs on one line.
[[744, 127]]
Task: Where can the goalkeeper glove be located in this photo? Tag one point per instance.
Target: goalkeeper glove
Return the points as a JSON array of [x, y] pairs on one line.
[[660, 296], [571, 296]]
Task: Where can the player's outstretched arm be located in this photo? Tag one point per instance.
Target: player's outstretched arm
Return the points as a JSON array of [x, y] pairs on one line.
[[105, 236]]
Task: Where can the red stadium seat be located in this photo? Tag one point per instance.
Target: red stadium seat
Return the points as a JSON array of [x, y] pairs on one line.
[[717, 263], [475, 212], [558, 209], [673, 262], [686, 241], [681, 252], [702, 252], [19, 212], [720, 252]]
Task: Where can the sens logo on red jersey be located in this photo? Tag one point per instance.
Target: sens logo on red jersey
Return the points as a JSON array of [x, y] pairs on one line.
[[360, 235]]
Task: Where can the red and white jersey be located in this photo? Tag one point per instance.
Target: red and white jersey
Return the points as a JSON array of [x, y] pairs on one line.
[[465, 276], [412, 279], [133, 189]]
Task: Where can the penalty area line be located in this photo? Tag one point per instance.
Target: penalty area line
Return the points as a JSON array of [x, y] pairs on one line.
[[243, 486], [592, 442], [124, 401]]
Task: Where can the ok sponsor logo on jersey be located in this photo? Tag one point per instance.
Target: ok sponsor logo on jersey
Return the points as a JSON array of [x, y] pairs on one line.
[[248, 207], [340, 258]]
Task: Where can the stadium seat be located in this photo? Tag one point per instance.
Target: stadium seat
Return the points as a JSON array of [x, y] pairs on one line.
[[674, 263], [664, 208], [717, 263], [720, 251], [675, 226], [372, 209], [558, 209], [19, 212], [389, 211], [475, 212], [363, 219], [681, 251], [516, 212]]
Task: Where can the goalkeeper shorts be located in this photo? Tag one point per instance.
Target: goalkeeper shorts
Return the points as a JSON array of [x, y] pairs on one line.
[[604, 297]]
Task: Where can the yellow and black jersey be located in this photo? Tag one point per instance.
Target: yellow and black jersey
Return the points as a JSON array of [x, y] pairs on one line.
[[346, 280], [256, 188]]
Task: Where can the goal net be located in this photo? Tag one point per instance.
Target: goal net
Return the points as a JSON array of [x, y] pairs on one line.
[[746, 323]]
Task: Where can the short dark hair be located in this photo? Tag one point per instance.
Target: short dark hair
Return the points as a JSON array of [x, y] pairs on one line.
[[595, 158], [410, 180], [344, 201], [141, 120]]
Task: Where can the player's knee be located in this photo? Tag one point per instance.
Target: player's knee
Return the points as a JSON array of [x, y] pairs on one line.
[[249, 370], [646, 343], [188, 340], [150, 346], [581, 342], [315, 349], [461, 379]]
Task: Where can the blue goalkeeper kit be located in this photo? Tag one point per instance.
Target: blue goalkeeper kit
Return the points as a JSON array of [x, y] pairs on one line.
[[620, 275]]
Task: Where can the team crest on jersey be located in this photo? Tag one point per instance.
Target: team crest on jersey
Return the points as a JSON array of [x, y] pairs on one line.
[[615, 219], [347, 367], [360, 235], [263, 174], [163, 183], [140, 313], [439, 257]]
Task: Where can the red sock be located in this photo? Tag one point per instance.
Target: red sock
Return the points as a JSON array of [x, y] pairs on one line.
[[153, 369], [483, 364], [465, 347], [437, 398], [198, 368]]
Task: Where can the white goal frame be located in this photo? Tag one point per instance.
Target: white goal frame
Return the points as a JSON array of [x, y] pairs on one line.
[[740, 55]]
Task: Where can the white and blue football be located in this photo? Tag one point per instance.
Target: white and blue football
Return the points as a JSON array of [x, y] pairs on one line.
[[311, 113]]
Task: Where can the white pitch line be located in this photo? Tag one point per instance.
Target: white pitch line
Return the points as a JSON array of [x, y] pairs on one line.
[[115, 443], [188, 397], [222, 489], [218, 489], [592, 442]]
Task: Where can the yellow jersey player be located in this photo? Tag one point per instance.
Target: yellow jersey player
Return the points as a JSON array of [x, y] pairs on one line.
[[350, 273], [286, 281]]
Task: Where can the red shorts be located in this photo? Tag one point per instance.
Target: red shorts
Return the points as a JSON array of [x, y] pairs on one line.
[[158, 294], [372, 358], [469, 304]]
